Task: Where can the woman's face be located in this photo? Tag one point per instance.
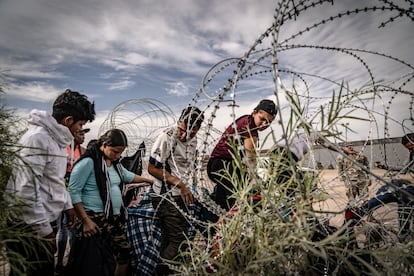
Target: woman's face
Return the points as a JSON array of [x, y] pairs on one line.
[[262, 119], [112, 153]]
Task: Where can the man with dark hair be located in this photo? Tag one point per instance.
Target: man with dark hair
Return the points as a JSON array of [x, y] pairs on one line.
[[171, 162], [221, 164], [38, 182]]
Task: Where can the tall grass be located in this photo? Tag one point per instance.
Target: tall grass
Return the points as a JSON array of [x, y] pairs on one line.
[[10, 130]]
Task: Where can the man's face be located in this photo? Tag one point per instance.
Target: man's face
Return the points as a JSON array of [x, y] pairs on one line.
[[74, 127], [262, 119], [183, 136], [79, 137]]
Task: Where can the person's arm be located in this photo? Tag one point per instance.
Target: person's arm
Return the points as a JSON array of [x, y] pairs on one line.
[[365, 162], [89, 228], [80, 173], [131, 177], [139, 178], [250, 149], [340, 167], [170, 179], [161, 150], [26, 182]]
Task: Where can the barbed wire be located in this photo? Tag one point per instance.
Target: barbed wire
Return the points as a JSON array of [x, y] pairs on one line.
[[377, 98]]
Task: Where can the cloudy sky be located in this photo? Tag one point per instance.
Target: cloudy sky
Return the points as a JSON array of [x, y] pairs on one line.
[[116, 51]]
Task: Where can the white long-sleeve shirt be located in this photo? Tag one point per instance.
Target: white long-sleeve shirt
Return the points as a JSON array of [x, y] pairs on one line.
[[38, 178]]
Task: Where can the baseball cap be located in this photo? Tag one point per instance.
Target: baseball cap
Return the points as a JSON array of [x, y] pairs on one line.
[[267, 105]]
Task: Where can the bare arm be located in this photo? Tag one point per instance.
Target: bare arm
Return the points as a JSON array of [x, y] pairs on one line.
[[89, 227], [138, 178], [170, 179], [250, 149]]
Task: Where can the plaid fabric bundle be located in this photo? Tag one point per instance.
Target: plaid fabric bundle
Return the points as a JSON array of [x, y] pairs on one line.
[[144, 234]]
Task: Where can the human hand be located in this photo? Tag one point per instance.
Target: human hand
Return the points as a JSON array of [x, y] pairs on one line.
[[186, 195], [89, 228], [70, 217]]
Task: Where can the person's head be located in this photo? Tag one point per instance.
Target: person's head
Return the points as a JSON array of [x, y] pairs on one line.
[[408, 141], [264, 114], [73, 110], [298, 143], [189, 123], [349, 148], [79, 136], [91, 144], [113, 143]]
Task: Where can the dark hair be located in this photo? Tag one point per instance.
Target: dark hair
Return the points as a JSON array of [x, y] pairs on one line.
[[114, 138], [267, 105], [192, 117], [91, 144], [75, 104], [408, 138]]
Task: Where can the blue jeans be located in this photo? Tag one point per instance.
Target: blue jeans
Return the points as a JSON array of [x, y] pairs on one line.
[[63, 235], [400, 192]]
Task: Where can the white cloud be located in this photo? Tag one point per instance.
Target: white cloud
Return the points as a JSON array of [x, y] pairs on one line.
[[34, 91], [149, 43], [123, 84], [178, 89]]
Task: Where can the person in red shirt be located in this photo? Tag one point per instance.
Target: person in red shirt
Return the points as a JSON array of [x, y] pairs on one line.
[[75, 150], [220, 164]]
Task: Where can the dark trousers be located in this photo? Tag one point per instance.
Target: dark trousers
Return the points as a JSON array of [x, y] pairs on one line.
[[219, 171], [29, 254], [173, 225]]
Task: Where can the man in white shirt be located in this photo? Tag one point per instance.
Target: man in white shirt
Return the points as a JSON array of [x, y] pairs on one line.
[[171, 163], [37, 184]]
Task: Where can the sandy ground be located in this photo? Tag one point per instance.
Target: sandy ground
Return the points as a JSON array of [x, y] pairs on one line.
[[336, 199]]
